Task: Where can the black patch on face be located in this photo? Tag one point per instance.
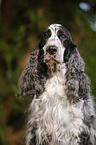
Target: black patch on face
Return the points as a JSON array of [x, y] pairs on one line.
[[61, 35], [69, 49], [42, 67], [44, 38], [66, 32], [65, 37]]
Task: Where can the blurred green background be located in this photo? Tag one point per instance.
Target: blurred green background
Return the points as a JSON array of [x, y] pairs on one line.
[[21, 24]]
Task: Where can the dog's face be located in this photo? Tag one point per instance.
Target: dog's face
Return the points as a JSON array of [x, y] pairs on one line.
[[55, 44]]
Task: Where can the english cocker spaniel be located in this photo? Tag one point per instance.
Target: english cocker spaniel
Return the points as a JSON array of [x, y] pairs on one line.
[[62, 109]]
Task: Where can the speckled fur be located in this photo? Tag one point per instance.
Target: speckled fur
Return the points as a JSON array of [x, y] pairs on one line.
[[62, 110]]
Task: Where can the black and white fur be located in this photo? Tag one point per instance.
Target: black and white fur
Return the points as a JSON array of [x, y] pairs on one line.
[[62, 110]]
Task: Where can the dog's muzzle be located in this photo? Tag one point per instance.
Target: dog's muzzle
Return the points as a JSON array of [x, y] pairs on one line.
[[51, 59], [51, 53]]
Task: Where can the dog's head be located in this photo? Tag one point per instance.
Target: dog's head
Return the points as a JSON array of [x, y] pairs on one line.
[[55, 48]]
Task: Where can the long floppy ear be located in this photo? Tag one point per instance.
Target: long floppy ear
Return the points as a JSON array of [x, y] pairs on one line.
[[30, 82], [70, 48], [77, 82], [73, 59]]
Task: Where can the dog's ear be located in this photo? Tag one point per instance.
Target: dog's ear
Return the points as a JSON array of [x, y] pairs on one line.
[[30, 82], [70, 49]]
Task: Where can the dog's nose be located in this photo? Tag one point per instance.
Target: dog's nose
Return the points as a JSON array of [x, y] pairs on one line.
[[52, 50]]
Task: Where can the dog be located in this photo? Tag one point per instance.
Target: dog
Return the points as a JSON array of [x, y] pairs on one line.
[[62, 108]]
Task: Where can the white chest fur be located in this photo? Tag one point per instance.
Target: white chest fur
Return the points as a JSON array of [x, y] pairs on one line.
[[54, 115]]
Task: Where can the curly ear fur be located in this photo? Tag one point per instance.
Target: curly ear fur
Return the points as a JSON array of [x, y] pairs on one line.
[[31, 82], [78, 88], [78, 84]]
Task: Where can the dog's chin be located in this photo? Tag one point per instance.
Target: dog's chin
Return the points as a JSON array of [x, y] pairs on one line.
[[52, 65]]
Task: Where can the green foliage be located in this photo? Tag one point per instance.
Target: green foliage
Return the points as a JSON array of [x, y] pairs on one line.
[[2, 136]]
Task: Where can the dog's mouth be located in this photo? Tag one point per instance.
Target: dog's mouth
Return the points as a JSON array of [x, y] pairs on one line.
[[52, 60]]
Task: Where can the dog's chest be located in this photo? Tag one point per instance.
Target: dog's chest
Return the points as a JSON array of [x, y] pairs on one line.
[[54, 115], [57, 107]]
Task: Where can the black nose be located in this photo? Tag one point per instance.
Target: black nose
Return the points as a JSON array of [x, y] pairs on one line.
[[51, 50]]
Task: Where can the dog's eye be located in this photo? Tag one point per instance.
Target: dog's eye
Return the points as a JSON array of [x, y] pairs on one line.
[[47, 34], [61, 34]]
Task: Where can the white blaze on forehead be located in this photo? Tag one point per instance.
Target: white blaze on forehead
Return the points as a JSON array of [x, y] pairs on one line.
[[54, 40], [54, 28]]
